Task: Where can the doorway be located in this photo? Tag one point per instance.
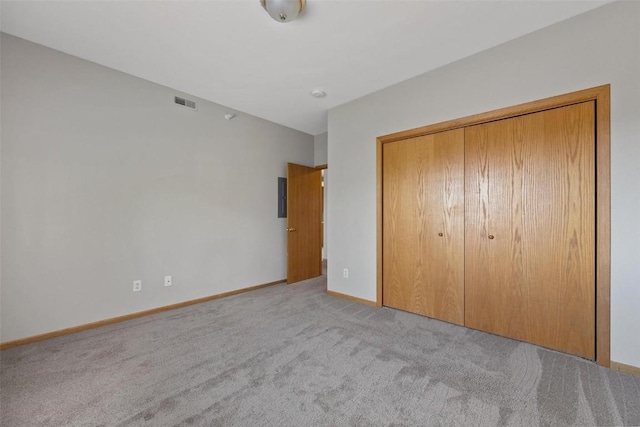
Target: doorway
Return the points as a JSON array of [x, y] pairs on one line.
[[304, 222]]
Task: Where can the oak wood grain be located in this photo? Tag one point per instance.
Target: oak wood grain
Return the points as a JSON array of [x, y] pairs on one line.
[[602, 96], [530, 183], [379, 236], [603, 227], [352, 298], [600, 93], [423, 225], [629, 369], [304, 220]]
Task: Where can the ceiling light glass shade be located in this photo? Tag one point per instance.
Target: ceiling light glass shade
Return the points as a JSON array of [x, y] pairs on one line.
[[283, 10]]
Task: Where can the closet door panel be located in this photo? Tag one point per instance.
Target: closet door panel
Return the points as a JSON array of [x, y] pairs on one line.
[[560, 207], [530, 183], [493, 239], [423, 225]]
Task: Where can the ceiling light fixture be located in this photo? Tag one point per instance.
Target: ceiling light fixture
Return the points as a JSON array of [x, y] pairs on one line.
[[283, 10]]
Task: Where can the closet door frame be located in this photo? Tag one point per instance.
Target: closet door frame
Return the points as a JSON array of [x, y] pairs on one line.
[[601, 96]]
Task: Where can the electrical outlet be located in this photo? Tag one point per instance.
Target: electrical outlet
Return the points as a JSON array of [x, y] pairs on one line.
[[137, 285], [167, 280], [345, 273]]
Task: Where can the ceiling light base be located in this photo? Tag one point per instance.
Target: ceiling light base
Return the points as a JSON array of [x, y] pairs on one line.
[[283, 10]]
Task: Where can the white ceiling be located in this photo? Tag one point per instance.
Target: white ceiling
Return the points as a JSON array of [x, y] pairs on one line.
[[232, 53]]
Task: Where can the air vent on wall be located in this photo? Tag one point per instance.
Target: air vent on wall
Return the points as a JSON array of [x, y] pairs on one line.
[[185, 102]]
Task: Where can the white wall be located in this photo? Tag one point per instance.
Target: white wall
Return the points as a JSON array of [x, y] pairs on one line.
[[320, 146], [599, 47], [105, 180]]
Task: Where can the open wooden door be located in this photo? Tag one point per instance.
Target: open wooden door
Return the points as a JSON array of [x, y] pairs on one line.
[[304, 222]]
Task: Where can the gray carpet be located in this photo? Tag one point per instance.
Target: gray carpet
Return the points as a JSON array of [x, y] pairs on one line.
[[294, 356]]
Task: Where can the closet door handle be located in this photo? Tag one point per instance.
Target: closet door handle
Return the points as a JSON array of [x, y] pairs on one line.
[[491, 236], [440, 234]]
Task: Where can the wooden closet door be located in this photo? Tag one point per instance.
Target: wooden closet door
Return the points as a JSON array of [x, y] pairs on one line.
[[530, 228], [423, 225]]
